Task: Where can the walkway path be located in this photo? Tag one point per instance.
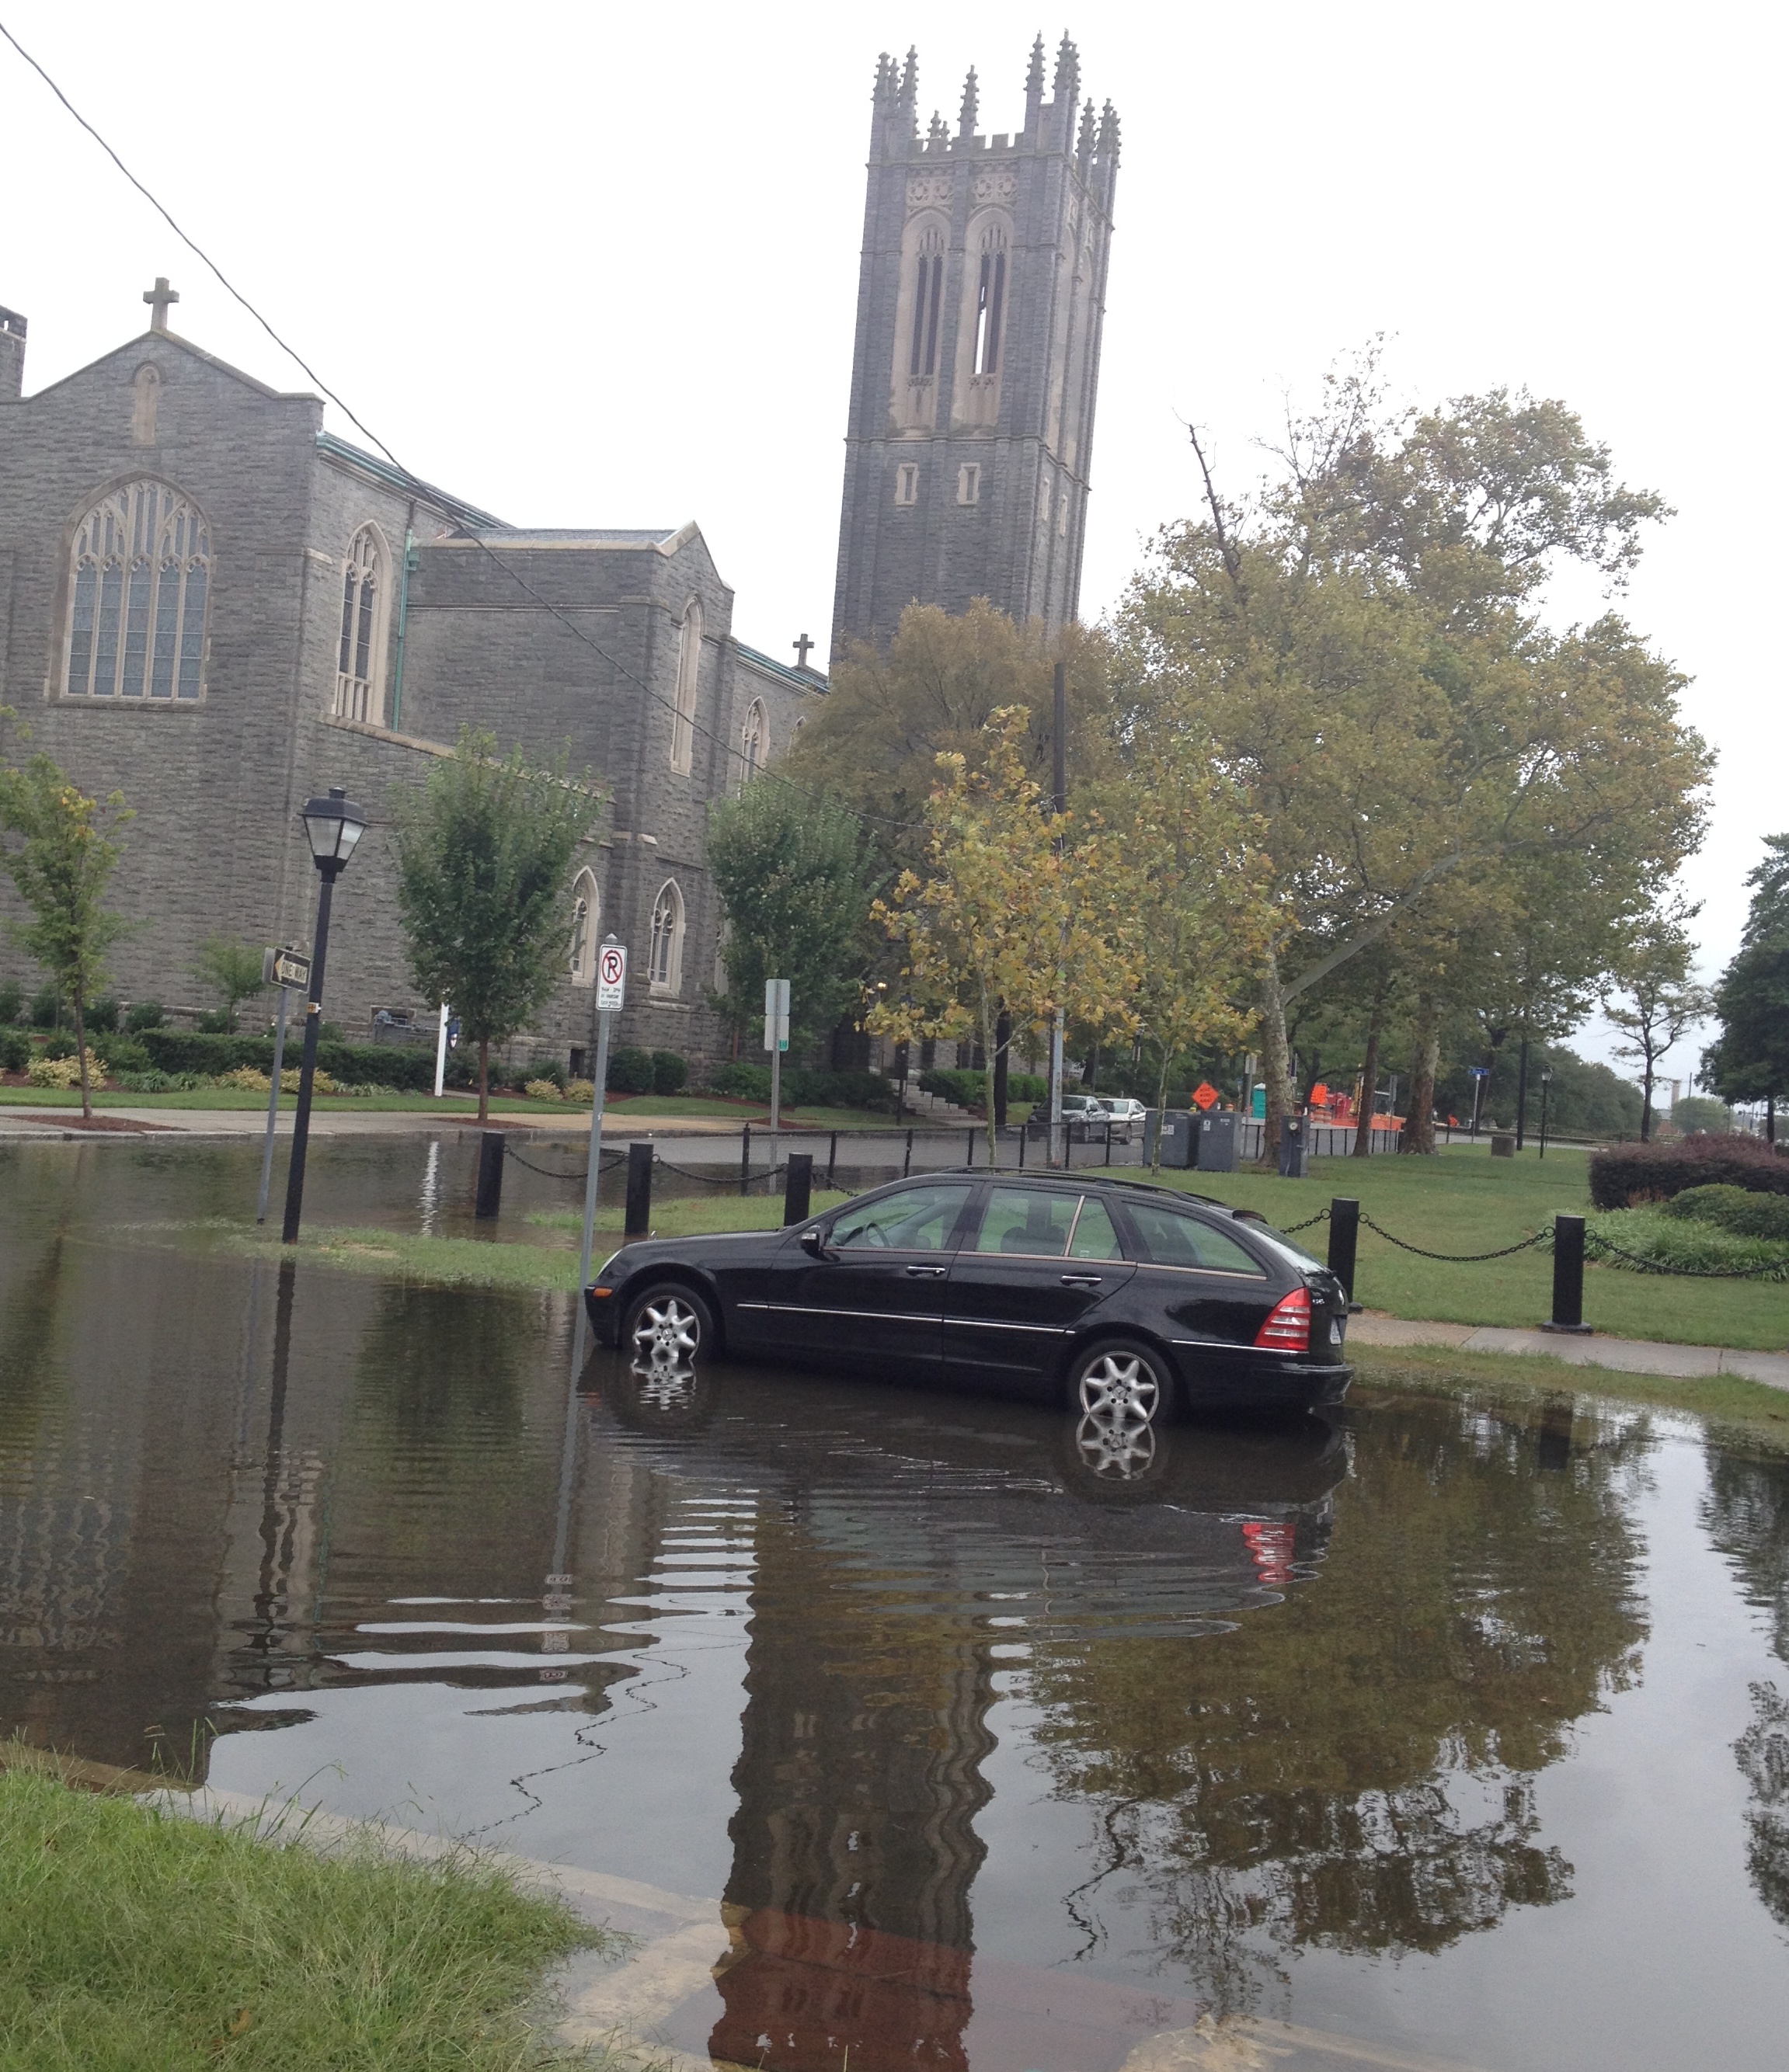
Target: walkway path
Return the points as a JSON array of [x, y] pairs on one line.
[[1624, 1355]]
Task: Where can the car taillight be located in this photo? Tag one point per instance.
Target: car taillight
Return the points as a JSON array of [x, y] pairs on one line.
[[1287, 1328]]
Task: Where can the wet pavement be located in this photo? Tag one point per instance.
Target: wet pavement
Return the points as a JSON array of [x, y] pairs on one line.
[[1443, 1734]]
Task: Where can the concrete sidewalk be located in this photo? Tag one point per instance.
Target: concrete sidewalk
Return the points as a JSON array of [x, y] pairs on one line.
[[231, 1124], [1623, 1356]]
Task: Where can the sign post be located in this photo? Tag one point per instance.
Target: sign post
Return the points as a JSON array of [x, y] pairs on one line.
[[440, 1053], [611, 992], [1480, 1074], [776, 1041], [284, 967]]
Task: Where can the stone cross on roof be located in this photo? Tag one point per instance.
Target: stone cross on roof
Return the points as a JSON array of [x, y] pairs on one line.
[[802, 647], [158, 298]]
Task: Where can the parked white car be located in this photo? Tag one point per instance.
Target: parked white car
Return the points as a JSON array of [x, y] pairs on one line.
[[1127, 1117]]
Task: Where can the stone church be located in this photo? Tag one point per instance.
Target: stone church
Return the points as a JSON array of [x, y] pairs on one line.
[[212, 604]]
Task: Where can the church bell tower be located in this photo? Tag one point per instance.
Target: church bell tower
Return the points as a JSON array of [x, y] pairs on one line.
[[980, 300]]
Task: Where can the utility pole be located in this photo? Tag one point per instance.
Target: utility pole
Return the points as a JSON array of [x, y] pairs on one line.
[[1056, 1144]]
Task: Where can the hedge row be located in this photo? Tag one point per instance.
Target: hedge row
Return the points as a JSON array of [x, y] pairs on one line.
[[969, 1089], [1742, 1211], [406, 1071], [802, 1088], [1627, 1173], [635, 1072]]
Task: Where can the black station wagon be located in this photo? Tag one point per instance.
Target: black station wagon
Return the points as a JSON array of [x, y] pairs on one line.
[[1112, 1298]]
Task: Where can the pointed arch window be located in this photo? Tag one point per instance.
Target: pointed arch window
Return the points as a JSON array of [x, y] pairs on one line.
[[754, 741], [665, 954], [366, 594], [586, 919], [928, 296], [689, 659], [990, 302], [139, 592]]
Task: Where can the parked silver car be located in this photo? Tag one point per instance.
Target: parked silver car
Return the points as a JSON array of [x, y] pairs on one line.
[[1127, 1117]]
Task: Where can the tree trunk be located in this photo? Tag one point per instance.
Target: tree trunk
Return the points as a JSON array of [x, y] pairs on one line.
[[484, 1078], [1419, 1124], [991, 1055], [1275, 1061], [1369, 1086], [81, 1052], [1160, 1107], [1003, 1040], [1646, 1101], [1090, 1067]]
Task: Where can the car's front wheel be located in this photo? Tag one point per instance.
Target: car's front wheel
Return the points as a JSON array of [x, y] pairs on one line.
[[668, 1322], [1123, 1382]]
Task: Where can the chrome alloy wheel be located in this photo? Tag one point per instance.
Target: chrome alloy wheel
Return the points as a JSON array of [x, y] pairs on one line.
[[668, 1328], [1120, 1386]]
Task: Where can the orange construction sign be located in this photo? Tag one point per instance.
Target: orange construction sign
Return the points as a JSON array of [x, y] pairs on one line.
[[1205, 1095]]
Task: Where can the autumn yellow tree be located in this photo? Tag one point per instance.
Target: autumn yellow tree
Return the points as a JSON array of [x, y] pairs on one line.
[[1019, 912]]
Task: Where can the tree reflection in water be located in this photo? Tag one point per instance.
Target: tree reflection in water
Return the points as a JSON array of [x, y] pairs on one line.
[[1355, 1769]]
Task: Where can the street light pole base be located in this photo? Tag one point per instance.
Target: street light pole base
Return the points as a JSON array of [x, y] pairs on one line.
[[1569, 1331]]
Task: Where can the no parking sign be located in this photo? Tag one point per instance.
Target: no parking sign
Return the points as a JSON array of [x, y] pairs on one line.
[[611, 977]]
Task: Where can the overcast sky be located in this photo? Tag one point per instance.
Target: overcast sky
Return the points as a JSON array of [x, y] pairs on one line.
[[592, 266]]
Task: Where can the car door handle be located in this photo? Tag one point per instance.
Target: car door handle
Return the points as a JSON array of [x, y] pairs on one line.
[[1080, 1281], [927, 1273]]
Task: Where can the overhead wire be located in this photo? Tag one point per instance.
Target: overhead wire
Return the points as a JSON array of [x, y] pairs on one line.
[[424, 490]]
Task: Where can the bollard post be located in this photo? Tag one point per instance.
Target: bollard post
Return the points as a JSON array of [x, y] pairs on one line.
[[745, 1159], [798, 1190], [1108, 1141], [972, 1147], [489, 1198], [907, 1162], [1024, 1131], [639, 1191], [832, 1160], [1568, 1278], [1344, 1240]]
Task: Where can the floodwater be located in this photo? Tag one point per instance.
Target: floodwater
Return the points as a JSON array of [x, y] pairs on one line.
[[1445, 1733]]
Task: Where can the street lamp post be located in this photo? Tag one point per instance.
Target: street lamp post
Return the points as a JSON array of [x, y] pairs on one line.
[[333, 825], [1546, 1081]]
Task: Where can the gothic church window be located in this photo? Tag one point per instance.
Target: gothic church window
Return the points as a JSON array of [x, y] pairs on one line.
[[969, 483], [361, 663], [919, 321], [754, 741], [928, 293], [989, 302], [664, 956], [689, 657], [907, 483], [140, 589], [586, 917], [981, 324]]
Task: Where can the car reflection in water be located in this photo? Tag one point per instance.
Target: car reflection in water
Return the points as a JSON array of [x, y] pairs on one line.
[[900, 1585]]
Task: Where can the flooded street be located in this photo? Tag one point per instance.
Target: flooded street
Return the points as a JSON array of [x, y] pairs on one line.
[[1447, 1734]]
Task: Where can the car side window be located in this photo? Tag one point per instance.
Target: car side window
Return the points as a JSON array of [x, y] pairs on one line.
[[916, 1219], [1026, 1221], [1096, 1236], [1171, 1238]]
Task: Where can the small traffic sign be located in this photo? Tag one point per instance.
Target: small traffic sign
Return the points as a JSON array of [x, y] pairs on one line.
[[287, 966], [611, 977], [1206, 1095], [776, 1014], [1479, 1071]]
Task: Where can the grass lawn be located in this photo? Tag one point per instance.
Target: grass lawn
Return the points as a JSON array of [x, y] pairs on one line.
[[1464, 1200], [647, 1108], [137, 1940]]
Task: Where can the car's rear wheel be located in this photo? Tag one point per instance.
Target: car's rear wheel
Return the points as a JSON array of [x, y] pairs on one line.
[[669, 1321], [1122, 1382]]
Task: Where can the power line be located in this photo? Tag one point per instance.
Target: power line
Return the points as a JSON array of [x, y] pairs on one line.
[[417, 484]]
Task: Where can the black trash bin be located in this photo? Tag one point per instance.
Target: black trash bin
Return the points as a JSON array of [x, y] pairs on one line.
[[1217, 1141], [1294, 1147], [1176, 1136]]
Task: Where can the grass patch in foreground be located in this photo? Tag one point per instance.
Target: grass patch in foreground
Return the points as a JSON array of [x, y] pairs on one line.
[[137, 1940], [1464, 1200], [1732, 1406]]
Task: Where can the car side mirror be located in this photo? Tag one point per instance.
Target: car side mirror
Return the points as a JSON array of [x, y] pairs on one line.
[[813, 1242]]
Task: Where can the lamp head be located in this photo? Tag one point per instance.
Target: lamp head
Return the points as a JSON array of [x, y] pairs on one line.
[[333, 825]]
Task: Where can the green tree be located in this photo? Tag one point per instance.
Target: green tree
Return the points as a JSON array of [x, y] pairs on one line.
[[1748, 1061], [1651, 1001], [232, 970], [62, 865], [484, 854], [1020, 912], [794, 875]]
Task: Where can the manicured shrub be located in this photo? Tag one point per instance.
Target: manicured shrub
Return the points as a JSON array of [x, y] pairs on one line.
[[12, 1000], [46, 1072], [143, 1015], [15, 1049], [580, 1093], [1735, 1209], [245, 1080], [629, 1071], [402, 1069], [670, 1073], [802, 1088], [58, 1044], [548, 1069], [542, 1090], [969, 1089], [1661, 1243], [121, 1054], [46, 1007], [1627, 1174], [100, 1017], [741, 1081], [157, 1083]]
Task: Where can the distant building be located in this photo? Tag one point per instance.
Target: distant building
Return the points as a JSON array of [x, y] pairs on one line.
[[211, 604], [980, 303]]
